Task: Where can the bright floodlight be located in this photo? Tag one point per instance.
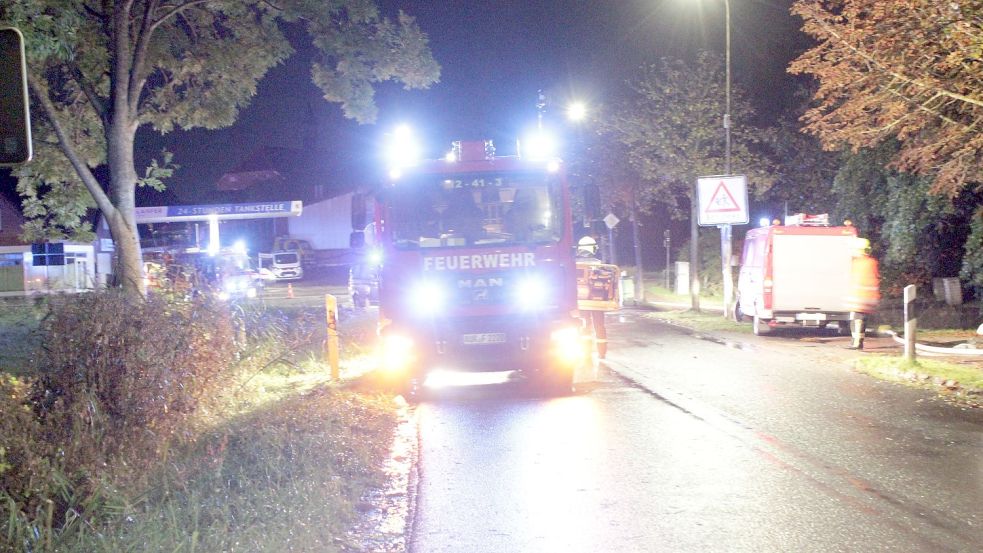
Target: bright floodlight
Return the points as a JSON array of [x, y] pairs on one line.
[[539, 145], [239, 246], [402, 149], [577, 111], [763, 222]]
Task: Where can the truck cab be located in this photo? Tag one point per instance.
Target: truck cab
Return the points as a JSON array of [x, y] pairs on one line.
[[479, 271]]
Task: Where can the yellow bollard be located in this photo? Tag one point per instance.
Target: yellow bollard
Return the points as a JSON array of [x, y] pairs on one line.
[[331, 345]]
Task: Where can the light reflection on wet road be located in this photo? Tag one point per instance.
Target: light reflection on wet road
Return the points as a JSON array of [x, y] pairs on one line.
[[700, 446]]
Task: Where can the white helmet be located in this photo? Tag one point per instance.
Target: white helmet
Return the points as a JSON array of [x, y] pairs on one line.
[[587, 244]]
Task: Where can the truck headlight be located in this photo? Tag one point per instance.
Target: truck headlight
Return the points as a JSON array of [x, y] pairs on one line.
[[397, 353], [428, 297], [566, 345], [532, 292]]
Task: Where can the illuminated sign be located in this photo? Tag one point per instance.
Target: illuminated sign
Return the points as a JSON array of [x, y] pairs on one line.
[[259, 210]]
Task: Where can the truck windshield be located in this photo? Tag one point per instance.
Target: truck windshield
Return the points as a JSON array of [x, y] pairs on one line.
[[475, 209]]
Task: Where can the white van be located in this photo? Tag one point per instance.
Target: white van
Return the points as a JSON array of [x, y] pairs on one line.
[[796, 274], [281, 265]]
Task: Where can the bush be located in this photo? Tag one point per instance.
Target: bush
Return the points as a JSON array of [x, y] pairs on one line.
[[148, 417], [118, 374]]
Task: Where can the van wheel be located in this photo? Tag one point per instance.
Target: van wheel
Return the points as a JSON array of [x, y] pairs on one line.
[[738, 314], [761, 327]]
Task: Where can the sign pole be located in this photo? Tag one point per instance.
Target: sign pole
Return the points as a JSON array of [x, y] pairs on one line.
[[694, 252], [725, 255]]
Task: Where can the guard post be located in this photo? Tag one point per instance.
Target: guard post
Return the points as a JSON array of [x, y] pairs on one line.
[[331, 345], [910, 322]]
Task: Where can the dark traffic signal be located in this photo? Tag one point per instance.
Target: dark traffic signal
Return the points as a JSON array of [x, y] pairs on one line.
[[15, 119]]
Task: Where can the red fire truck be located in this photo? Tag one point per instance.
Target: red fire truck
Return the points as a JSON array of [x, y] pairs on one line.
[[478, 270]]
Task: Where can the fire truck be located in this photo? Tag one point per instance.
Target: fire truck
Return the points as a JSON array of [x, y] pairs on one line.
[[797, 274], [479, 269]]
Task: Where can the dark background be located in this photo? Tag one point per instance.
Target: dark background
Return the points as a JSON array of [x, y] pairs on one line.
[[495, 57]]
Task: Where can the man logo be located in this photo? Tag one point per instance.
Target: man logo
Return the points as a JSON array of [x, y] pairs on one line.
[[475, 283]]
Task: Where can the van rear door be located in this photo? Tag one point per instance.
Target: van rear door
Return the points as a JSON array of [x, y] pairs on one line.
[[811, 272]]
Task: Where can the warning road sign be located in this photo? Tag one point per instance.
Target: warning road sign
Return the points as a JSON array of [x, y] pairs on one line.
[[723, 200]]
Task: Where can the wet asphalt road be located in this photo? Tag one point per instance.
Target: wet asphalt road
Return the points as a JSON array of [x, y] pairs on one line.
[[683, 443]]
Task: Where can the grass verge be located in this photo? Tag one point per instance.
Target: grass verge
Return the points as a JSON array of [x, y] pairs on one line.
[[703, 320], [957, 380]]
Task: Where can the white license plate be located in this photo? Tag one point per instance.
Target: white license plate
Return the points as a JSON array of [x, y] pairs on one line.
[[483, 338], [811, 316]]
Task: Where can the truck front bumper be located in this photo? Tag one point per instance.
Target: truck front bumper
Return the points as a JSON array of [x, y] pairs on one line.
[[483, 345]]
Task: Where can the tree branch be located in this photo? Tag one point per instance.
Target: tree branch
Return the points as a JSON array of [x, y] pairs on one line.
[[174, 11], [135, 82], [88, 179], [869, 58], [90, 92]]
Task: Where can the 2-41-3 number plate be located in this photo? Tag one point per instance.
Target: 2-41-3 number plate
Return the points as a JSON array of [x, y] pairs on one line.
[[483, 338]]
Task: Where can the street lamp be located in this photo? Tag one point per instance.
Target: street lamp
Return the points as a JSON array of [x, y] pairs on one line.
[[576, 111], [726, 229]]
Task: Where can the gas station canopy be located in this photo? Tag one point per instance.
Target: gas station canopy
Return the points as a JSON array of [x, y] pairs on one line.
[[218, 212]]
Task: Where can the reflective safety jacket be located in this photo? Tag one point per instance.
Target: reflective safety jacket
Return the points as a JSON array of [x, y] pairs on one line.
[[865, 291]]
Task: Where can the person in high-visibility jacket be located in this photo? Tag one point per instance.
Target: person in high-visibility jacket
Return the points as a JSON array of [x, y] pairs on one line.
[[865, 292]]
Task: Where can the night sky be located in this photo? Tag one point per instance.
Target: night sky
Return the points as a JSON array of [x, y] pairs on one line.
[[495, 56]]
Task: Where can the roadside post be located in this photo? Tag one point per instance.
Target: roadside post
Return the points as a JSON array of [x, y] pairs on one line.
[[331, 345], [910, 322]]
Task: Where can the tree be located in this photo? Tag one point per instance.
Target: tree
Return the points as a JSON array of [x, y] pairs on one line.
[[916, 234], [910, 70], [99, 71], [803, 171], [671, 128]]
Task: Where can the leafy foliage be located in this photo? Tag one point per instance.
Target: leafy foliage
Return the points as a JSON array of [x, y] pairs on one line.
[[916, 233], [900, 69], [669, 128], [972, 269], [803, 171]]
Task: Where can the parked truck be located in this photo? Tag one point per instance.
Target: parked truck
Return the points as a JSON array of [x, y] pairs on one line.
[[797, 274], [478, 270]]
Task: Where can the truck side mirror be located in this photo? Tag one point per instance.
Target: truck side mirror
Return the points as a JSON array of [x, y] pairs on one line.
[[356, 239], [359, 212]]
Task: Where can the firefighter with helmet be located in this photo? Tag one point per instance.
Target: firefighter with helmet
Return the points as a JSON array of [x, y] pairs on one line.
[[864, 292], [587, 255]]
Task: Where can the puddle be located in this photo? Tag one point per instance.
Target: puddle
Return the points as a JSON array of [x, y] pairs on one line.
[[733, 344]]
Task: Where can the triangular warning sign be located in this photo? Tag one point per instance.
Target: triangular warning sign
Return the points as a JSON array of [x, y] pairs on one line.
[[722, 200]]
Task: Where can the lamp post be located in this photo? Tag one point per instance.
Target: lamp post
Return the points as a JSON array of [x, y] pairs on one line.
[[725, 230]]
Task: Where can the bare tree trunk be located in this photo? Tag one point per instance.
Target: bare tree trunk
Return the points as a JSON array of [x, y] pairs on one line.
[[694, 252], [123, 223]]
